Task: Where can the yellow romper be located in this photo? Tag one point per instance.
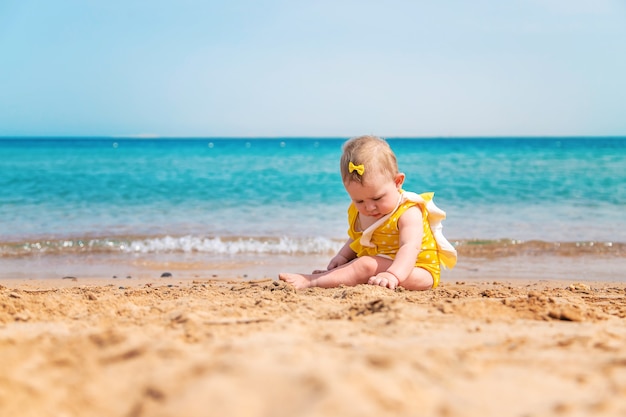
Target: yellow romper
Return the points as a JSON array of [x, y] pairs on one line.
[[383, 237]]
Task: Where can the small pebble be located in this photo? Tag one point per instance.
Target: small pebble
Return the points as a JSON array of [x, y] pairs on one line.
[[24, 316], [166, 275]]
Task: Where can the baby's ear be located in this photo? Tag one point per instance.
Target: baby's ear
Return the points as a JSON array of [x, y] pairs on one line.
[[399, 180]]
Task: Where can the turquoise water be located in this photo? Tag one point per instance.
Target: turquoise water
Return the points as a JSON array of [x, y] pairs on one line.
[[285, 195]]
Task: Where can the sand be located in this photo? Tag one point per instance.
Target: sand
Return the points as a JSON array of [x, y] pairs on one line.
[[234, 347]]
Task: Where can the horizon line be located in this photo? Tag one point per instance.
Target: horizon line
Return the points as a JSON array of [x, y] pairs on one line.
[[195, 137]]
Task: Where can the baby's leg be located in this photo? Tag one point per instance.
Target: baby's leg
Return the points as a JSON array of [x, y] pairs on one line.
[[419, 280], [355, 272]]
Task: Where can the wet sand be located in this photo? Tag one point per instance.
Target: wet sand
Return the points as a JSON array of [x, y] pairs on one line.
[[205, 346]]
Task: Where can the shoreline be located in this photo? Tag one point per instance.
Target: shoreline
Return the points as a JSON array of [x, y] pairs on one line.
[[587, 263]]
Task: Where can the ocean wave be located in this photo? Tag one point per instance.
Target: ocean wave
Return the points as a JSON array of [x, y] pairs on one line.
[[233, 246], [253, 245], [173, 244], [512, 247]]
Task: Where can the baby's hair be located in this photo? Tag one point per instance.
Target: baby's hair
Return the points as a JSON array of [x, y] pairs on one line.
[[373, 153]]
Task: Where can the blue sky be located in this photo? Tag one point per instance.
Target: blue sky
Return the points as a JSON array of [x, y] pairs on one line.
[[312, 68]]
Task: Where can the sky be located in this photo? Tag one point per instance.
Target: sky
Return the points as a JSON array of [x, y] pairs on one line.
[[340, 68]]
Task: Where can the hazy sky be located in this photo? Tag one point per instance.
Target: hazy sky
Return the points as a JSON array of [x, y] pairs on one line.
[[312, 68]]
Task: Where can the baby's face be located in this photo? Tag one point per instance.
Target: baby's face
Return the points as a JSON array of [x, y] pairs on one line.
[[376, 197]]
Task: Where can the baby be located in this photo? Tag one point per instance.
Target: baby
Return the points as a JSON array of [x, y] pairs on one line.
[[395, 236]]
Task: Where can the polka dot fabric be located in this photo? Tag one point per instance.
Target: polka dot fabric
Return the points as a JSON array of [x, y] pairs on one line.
[[385, 240]]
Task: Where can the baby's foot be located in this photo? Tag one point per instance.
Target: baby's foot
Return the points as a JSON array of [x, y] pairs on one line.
[[299, 281]]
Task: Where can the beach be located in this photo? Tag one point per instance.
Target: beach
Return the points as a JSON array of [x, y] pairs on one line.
[[138, 278], [217, 344], [163, 165]]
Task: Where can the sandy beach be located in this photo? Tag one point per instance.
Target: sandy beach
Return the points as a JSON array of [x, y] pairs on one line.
[[235, 347], [163, 163]]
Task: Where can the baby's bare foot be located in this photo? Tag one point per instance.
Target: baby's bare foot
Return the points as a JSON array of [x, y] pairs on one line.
[[299, 281]]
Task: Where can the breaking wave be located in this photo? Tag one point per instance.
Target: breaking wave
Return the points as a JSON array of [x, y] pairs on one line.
[[235, 245], [173, 244]]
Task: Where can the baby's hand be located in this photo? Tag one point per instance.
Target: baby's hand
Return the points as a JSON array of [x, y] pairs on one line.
[[385, 279], [338, 260]]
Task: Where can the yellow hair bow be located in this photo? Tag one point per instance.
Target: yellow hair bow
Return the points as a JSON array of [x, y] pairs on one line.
[[360, 169]]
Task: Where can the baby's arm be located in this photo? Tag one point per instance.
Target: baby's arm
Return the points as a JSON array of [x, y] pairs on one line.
[[411, 235]]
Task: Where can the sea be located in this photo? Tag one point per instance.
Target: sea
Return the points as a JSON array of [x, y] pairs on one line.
[[240, 198]]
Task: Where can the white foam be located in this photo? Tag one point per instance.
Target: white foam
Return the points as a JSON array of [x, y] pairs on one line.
[[219, 246]]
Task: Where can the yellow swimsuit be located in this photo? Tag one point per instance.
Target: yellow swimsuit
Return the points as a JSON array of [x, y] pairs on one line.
[[383, 237]]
